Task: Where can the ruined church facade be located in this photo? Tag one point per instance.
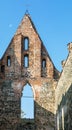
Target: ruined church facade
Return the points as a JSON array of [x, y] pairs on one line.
[[26, 61]]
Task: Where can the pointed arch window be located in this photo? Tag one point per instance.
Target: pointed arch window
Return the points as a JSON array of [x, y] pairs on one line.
[[8, 61], [26, 43], [27, 103]]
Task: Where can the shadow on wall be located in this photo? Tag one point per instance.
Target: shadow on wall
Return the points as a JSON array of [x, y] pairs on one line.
[[10, 112], [64, 112], [10, 104]]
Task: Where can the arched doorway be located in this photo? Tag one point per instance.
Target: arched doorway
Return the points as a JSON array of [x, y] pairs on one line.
[[27, 103]]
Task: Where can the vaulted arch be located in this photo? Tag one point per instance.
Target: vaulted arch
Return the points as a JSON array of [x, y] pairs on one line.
[[27, 102]]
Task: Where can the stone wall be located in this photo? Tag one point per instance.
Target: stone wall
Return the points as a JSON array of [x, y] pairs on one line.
[[52, 98], [64, 95], [44, 98], [42, 79], [36, 52]]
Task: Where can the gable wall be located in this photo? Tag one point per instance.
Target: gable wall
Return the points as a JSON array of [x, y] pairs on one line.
[[16, 76]]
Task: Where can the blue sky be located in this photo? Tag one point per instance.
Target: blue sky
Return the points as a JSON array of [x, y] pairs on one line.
[[52, 18], [27, 102]]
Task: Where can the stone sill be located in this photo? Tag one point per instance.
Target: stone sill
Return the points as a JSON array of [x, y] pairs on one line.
[[27, 121]]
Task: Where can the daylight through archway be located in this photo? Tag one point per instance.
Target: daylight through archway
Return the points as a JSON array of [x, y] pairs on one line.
[[27, 103]]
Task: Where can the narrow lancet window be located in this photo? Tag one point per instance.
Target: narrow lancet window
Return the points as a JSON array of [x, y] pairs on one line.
[[26, 43], [2, 68], [43, 68], [8, 61], [58, 122], [27, 103], [26, 61], [43, 63]]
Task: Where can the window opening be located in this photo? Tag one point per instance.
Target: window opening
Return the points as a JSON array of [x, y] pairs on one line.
[[63, 118], [2, 68], [58, 121], [8, 61], [26, 61], [27, 103], [26, 43], [43, 63]]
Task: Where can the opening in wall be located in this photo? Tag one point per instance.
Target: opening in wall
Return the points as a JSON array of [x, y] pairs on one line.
[[43, 68], [27, 103], [8, 61], [63, 118], [26, 43], [43, 63], [26, 61], [2, 68], [58, 122]]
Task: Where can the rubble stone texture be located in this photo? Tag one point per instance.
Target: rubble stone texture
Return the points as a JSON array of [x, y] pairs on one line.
[[52, 92]]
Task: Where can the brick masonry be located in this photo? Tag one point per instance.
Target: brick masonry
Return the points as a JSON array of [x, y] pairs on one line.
[[42, 77]]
